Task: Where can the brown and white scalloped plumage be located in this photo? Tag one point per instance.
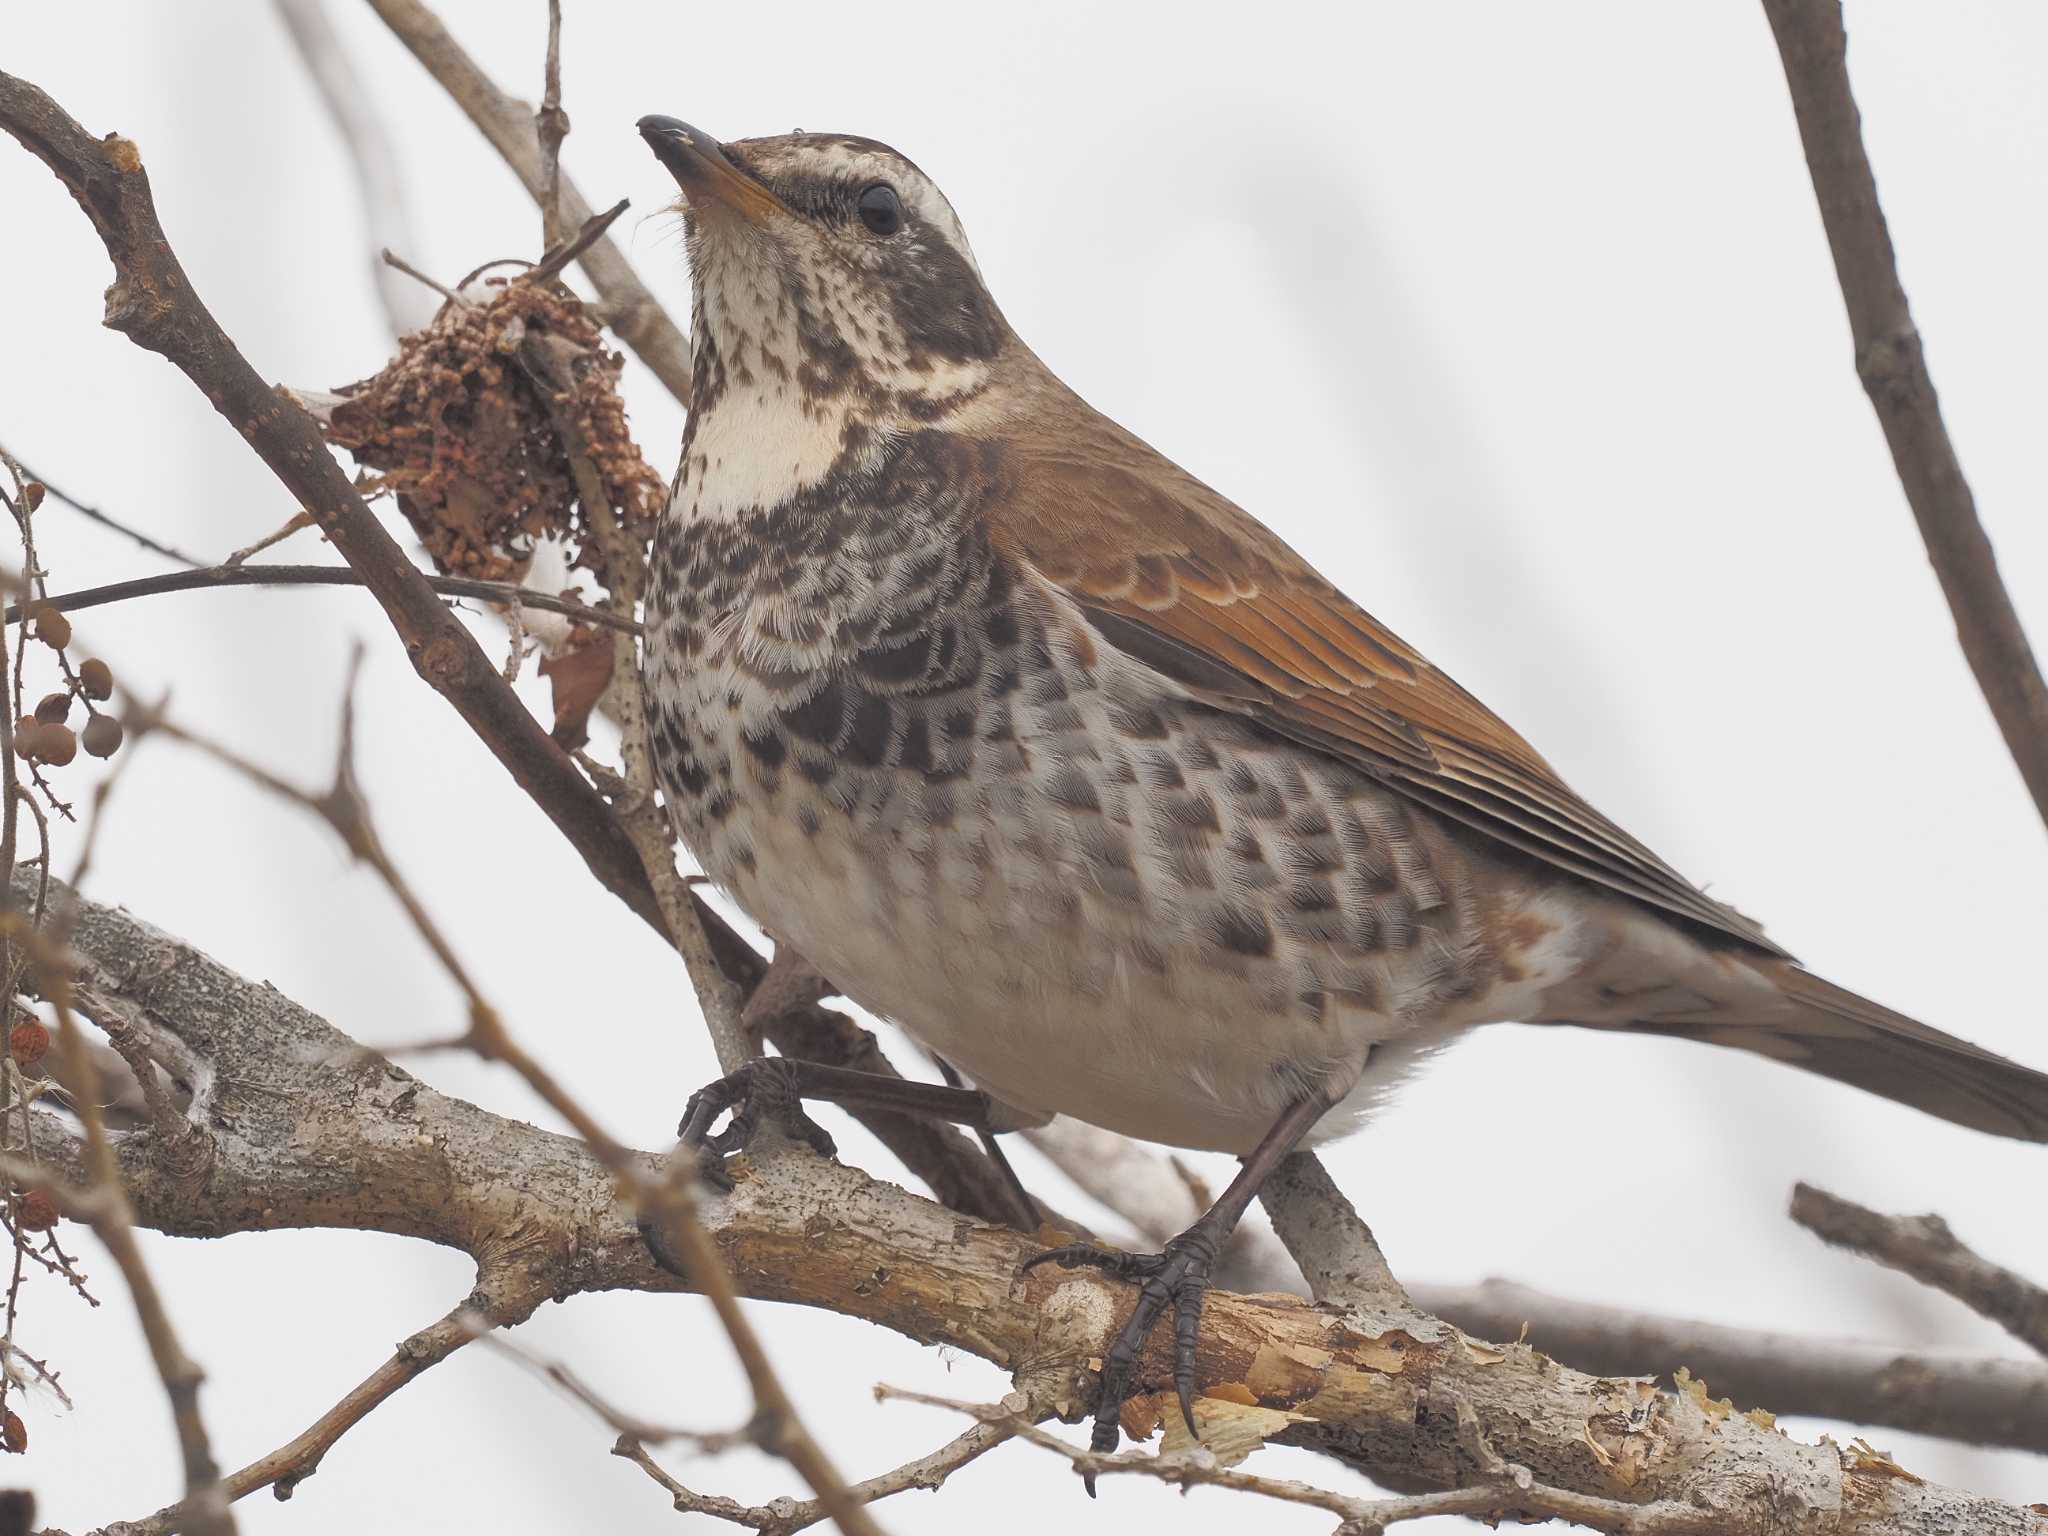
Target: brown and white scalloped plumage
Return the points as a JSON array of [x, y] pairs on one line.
[[1040, 747]]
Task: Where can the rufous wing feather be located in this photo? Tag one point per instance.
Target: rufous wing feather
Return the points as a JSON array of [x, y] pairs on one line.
[[1184, 580]]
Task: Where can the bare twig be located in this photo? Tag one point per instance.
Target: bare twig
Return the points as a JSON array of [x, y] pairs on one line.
[[497, 1301], [108, 521], [212, 576], [785, 1517], [667, 1200], [645, 821], [378, 184], [508, 124], [1923, 1247], [291, 525], [550, 127], [1893, 367], [105, 1207], [630, 1425], [1510, 1492]]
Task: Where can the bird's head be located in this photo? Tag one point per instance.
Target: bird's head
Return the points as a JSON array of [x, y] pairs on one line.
[[831, 270]]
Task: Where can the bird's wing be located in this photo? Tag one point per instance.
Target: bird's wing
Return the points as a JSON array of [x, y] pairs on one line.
[[1175, 575]]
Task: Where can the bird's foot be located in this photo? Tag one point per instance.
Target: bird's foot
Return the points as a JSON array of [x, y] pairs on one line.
[[764, 1091], [1177, 1278]]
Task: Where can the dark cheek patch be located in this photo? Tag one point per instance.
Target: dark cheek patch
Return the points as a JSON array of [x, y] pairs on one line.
[[938, 302]]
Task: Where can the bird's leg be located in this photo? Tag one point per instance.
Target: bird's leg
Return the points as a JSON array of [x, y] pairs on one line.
[[772, 1089], [1179, 1275], [1024, 1215]]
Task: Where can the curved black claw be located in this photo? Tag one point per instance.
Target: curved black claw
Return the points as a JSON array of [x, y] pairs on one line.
[[1177, 1277], [764, 1091]]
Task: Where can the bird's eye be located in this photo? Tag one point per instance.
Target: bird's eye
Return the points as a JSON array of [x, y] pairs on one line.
[[880, 209]]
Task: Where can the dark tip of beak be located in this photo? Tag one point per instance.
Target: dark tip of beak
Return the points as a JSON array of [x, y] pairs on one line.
[[674, 140]]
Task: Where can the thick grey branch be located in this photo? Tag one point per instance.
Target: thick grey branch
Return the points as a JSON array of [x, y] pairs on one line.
[[308, 1129]]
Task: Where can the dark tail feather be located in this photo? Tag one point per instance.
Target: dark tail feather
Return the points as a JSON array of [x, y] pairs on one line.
[[1853, 1040]]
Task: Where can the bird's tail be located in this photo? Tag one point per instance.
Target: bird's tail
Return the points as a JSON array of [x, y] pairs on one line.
[[1830, 1030]]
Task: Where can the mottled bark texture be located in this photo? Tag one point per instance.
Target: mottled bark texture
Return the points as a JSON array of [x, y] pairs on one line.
[[303, 1127]]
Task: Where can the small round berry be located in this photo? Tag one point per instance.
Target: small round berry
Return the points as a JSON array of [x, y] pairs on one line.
[[52, 628], [13, 1433], [96, 679], [102, 736], [53, 707], [28, 1040], [55, 744], [26, 732], [38, 1211]]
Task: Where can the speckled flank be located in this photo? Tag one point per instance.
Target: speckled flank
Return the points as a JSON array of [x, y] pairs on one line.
[[917, 763]]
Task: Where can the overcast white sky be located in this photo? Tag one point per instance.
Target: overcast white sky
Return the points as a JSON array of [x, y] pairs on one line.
[[1517, 320]]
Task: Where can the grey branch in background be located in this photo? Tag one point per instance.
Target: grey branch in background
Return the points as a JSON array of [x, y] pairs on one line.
[[508, 123], [407, 306], [1893, 367], [1923, 1247]]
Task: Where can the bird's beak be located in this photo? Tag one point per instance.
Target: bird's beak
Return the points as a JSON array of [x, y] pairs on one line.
[[701, 169]]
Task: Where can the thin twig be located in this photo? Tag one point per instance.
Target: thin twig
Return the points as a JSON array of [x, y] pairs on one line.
[[1923, 1247], [291, 525], [1510, 1494], [550, 127], [668, 1201], [1893, 367], [645, 821], [709, 1442], [498, 1301], [106, 520], [633, 312], [215, 576], [378, 184], [105, 1207], [785, 1517]]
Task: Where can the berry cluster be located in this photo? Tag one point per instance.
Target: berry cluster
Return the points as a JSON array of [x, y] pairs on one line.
[[45, 736]]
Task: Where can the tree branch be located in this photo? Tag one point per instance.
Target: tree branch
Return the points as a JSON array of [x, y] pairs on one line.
[[1923, 1247], [1893, 367], [211, 577], [508, 124], [317, 1131], [1977, 1401], [153, 302], [369, 152]]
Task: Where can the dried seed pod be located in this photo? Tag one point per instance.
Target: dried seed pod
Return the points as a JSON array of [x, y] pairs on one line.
[[26, 730], [102, 736], [52, 628], [38, 1211], [96, 679], [55, 744], [13, 1433], [34, 492], [53, 707], [28, 1040]]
